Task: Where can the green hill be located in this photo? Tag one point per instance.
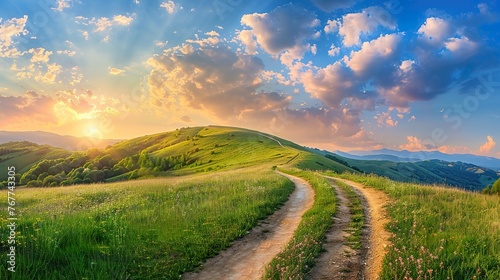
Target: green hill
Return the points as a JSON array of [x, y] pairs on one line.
[[24, 154], [213, 148], [180, 152]]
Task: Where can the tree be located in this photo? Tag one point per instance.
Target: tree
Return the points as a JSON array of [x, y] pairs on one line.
[[495, 189]]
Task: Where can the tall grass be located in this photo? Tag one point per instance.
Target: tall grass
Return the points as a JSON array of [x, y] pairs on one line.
[[298, 256], [439, 233], [146, 229]]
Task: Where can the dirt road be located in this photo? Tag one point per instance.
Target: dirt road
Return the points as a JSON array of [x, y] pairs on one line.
[[379, 237], [339, 260], [248, 256]]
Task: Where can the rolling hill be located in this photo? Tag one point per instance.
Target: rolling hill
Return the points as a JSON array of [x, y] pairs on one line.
[[180, 152], [204, 149]]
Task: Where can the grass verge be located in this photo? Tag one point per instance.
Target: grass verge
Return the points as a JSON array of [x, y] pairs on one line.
[[439, 233], [298, 256], [149, 229]]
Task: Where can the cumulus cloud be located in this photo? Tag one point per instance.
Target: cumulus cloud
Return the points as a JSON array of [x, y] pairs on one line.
[[332, 26], [61, 5], [9, 30], [169, 6], [416, 144], [330, 5], [375, 54], [333, 51], [247, 38], [488, 146], [40, 55], [355, 24], [286, 28], [385, 119], [435, 30], [198, 80]]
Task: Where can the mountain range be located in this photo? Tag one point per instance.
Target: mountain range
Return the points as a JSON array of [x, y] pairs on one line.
[[67, 142], [407, 156]]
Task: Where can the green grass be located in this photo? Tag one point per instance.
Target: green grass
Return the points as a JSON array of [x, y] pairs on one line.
[[439, 233], [147, 229], [357, 216], [298, 256]]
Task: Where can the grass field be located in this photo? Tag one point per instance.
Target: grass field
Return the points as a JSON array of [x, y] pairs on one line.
[[144, 229], [439, 233]]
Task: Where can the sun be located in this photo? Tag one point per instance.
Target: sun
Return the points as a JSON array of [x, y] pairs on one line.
[[92, 131]]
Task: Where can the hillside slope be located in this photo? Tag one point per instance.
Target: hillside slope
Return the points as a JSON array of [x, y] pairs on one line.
[[456, 174], [180, 152]]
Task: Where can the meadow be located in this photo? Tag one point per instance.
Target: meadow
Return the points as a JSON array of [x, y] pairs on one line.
[[145, 229], [438, 232]]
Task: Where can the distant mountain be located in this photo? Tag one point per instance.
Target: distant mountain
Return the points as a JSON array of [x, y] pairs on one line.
[[407, 156], [55, 140], [457, 174]]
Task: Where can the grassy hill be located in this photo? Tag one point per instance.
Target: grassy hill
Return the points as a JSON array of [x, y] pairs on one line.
[[180, 152], [216, 184], [24, 154]]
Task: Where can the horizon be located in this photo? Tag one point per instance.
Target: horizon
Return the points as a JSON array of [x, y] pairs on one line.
[[352, 152], [408, 76]]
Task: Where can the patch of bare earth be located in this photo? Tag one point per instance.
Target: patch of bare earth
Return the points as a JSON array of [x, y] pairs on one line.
[[248, 256], [379, 237], [340, 261]]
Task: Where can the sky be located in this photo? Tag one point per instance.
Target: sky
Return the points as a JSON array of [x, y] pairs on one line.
[[343, 74]]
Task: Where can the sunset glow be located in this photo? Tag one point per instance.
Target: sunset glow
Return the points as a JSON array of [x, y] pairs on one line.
[[349, 75]]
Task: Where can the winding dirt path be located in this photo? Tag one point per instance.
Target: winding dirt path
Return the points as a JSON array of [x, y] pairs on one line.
[[248, 256], [339, 261], [379, 237]]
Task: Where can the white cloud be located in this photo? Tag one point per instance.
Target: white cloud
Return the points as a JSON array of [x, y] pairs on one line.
[[333, 51], [116, 71], [8, 30], [170, 6], [488, 146], [374, 52], [122, 20], [415, 144], [61, 5], [462, 46], [366, 22], [284, 29], [85, 34], [406, 65], [314, 49], [435, 30], [212, 33], [40, 55], [67, 52], [247, 38], [332, 26]]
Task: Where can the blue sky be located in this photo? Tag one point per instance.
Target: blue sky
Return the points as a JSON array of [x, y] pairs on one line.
[[345, 74]]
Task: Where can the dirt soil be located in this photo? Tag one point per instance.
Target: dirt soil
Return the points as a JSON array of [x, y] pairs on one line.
[[339, 261], [379, 237], [248, 256]]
